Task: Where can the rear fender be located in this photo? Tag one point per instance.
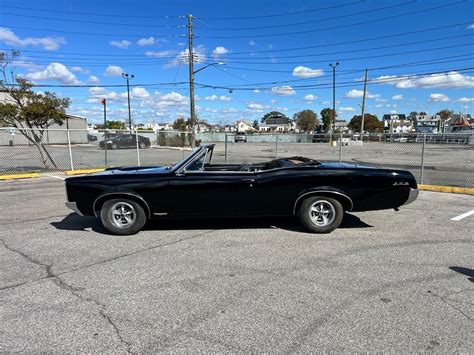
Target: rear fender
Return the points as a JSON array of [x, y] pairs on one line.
[[328, 191]]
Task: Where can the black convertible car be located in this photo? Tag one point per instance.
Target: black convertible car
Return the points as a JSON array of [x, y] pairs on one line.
[[317, 192]]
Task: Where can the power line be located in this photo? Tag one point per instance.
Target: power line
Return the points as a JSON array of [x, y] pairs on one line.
[[309, 22], [339, 26], [283, 14], [102, 86], [87, 21], [87, 13]]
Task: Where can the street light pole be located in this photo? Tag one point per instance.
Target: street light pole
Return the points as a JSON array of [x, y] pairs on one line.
[[191, 78], [128, 78], [334, 66]]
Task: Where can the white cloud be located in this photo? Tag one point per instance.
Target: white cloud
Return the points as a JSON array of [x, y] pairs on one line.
[[256, 91], [121, 44], [470, 27], [439, 98], [217, 98], [252, 43], [146, 41], [310, 97], [219, 51], [397, 97], [466, 99], [347, 109], [160, 54], [48, 43], [305, 72], [54, 71], [79, 70], [255, 106], [113, 70], [93, 79], [326, 102], [378, 106], [391, 111], [354, 93], [449, 80], [140, 93], [284, 90]]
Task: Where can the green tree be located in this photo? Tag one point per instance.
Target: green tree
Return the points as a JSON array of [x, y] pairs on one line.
[[371, 123], [115, 124], [327, 116], [31, 113], [255, 124], [180, 124], [306, 120]]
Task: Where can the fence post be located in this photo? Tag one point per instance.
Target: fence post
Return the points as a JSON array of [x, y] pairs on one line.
[[422, 158], [138, 148], [105, 147], [225, 148], [70, 150], [340, 147], [276, 146]]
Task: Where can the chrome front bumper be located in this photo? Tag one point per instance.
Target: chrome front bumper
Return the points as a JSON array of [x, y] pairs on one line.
[[412, 196], [73, 206]]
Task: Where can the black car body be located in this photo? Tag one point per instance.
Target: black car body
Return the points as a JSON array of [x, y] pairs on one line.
[[195, 187], [125, 141]]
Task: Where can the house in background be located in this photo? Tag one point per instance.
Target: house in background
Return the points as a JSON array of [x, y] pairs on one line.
[[397, 123], [243, 126], [277, 123], [427, 123]]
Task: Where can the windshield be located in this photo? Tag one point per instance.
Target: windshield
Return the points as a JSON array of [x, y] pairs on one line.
[[192, 155]]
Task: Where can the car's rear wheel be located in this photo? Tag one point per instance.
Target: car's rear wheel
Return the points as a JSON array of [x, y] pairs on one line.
[[114, 146], [122, 216], [142, 145], [321, 214]]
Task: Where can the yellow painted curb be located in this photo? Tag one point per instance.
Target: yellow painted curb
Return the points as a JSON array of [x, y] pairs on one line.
[[82, 171], [18, 176], [450, 189]]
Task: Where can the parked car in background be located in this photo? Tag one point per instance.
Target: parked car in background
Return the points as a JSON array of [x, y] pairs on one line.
[[91, 138], [240, 137], [317, 193], [125, 141], [321, 138]]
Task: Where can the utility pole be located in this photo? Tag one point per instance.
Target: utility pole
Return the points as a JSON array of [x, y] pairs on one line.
[[191, 78], [104, 103], [363, 104], [333, 66], [128, 78]]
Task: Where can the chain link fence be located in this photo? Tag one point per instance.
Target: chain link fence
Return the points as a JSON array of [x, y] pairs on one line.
[[437, 159]]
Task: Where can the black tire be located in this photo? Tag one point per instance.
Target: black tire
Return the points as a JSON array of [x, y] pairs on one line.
[[142, 145], [120, 225], [114, 146], [312, 212]]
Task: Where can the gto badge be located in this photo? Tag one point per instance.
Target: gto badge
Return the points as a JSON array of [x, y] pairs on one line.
[[399, 183]]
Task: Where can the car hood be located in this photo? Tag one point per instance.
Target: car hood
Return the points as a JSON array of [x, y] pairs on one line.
[[134, 170]]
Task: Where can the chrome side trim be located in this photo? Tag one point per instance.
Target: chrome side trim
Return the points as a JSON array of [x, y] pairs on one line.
[[412, 196], [325, 191], [121, 193], [73, 206]]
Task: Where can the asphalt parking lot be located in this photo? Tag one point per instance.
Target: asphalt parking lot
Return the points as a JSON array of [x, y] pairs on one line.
[[385, 281]]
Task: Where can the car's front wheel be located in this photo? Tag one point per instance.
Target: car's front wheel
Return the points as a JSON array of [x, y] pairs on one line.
[[114, 146], [321, 214], [122, 216], [142, 145]]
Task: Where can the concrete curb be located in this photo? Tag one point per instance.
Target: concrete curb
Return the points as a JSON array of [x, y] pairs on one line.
[[19, 176], [82, 171], [447, 189]]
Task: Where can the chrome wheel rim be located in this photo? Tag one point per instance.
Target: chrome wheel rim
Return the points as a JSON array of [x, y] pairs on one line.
[[122, 214], [322, 213]]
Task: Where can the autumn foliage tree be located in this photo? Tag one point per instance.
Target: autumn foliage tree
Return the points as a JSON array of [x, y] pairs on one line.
[[31, 113], [328, 117], [371, 123], [306, 120]]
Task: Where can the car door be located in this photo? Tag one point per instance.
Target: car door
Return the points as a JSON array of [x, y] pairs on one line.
[[211, 193]]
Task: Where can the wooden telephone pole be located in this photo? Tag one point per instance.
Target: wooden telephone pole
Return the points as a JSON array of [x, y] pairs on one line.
[[363, 104], [191, 79]]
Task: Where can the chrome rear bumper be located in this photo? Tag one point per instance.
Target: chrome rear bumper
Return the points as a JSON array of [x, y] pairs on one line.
[[412, 196], [73, 206]]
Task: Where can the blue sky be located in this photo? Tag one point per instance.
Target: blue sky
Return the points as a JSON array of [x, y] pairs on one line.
[[276, 54]]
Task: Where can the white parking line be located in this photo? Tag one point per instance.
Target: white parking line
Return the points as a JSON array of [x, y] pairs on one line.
[[461, 216]]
